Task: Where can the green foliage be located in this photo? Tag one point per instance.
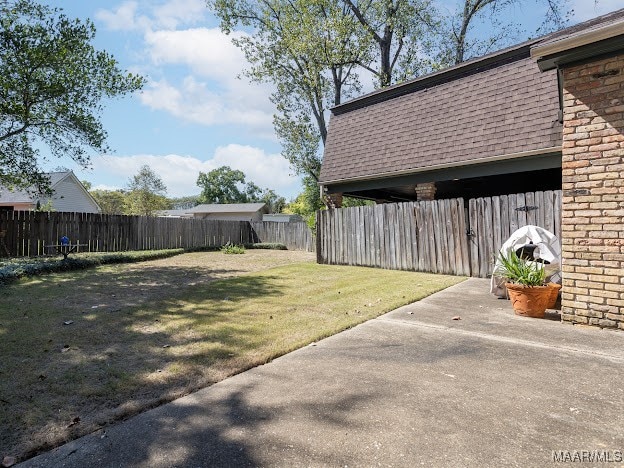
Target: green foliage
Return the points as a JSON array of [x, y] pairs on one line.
[[110, 201], [308, 50], [266, 246], [52, 83], [348, 202], [232, 249], [521, 271], [457, 42], [146, 193], [226, 185], [307, 202], [184, 203], [312, 52], [17, 268]]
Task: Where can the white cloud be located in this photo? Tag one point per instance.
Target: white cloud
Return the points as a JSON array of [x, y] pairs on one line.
[[179, 173], [213, 94], [193, 101], [175, 12], [588, 9], [206, 51], [122, 18], [167, 15]]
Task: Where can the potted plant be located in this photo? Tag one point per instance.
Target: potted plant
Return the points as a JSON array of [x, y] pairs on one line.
[[526, 284]]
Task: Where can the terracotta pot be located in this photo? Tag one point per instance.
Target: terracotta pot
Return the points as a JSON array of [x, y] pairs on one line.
[[554, 293], [529, 301]]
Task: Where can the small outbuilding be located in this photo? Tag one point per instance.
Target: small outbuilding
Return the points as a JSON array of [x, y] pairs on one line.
[[230, 211]]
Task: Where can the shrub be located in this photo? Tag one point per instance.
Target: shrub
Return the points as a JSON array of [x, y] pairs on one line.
[[18, 268], [232, 249], [266, 245]]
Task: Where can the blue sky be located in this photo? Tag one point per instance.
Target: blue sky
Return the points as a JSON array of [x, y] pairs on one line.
[[194, 114]]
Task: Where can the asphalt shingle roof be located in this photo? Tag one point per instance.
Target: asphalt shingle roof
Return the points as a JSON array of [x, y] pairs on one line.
[[505, 109], [23, 196]]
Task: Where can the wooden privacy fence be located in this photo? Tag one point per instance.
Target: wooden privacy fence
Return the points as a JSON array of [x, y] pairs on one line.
[[441, 236], [27, 232], [295, 236], [420, 236]]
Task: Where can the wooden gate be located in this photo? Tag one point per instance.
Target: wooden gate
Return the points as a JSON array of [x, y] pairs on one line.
[[492, 220]]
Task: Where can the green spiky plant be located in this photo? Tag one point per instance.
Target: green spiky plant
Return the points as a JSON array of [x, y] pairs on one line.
[[521, 271]]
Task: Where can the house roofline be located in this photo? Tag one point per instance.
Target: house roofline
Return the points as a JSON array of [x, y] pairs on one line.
[[470, 67], [577, 40], [435, 167]]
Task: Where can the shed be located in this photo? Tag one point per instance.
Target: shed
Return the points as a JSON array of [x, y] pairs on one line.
[[230, 211]]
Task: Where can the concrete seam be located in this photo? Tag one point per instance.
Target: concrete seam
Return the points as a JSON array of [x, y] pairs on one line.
[[503, 339]]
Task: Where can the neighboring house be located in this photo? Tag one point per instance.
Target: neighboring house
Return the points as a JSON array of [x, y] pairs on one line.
[[69, 195], [231, 212], [282, 218]]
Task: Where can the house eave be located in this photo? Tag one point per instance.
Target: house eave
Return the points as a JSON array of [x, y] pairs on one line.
[[438, 167], [579, 47]]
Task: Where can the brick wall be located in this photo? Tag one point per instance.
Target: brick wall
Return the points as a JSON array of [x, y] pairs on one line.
[[593, 193]]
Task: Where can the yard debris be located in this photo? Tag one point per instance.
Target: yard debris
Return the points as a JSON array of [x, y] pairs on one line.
[[75, 421], [411, 312], [8, 461], [68, 322], [457, 317], [270, 317], [65, 348], [166, 346]]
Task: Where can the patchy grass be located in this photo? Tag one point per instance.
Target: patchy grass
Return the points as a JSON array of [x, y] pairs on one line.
[[104, 344]]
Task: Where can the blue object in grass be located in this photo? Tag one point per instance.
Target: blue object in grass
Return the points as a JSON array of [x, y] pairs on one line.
[[64, 240]]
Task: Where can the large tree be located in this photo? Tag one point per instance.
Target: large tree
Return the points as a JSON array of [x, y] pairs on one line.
[[52, 84], [111, 201], [227, 185], [459, 41], [146, 193], [401, 31], [313, 52], [308, 50]]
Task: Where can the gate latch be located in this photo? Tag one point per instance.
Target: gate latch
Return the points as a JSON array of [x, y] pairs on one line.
[[526, 209]]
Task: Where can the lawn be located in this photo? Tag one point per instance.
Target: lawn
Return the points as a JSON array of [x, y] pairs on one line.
[[84, 348]]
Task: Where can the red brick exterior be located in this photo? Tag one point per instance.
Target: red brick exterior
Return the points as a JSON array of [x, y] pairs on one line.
[[593, 193], [426, 191]]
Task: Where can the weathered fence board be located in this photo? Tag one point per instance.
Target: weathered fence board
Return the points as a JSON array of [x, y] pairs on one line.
[[425, 236], [442, 236], [295, 236]]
